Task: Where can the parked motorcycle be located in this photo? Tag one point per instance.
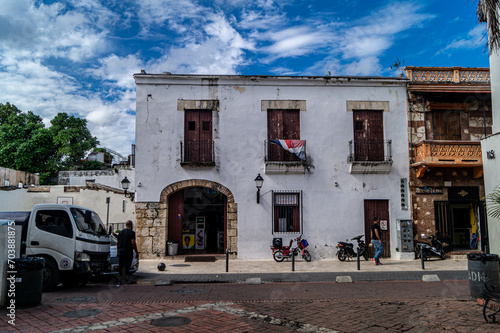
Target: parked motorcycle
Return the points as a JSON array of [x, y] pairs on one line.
[[435, 249], [281, 252], [346, 250]]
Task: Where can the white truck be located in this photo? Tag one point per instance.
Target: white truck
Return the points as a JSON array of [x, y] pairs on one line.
[[72, 240]]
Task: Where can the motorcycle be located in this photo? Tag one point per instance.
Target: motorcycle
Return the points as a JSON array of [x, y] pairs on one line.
[[346, 250], [435, 249], [281, 252]]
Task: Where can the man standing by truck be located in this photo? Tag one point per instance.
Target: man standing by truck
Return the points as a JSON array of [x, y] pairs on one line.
[[126, 246]]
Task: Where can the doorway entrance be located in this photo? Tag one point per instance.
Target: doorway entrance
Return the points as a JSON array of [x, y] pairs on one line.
[[461, 224], [197, 220], [380, 209]]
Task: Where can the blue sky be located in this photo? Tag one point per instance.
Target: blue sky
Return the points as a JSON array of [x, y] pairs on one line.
[[78, 56]]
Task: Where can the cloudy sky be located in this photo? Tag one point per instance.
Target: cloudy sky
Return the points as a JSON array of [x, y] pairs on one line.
[[79, 56]]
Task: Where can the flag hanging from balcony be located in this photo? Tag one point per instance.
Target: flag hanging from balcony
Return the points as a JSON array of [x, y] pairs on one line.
[[297, 147]]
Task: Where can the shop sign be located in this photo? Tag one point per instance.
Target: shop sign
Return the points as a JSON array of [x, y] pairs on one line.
[[429, 190]]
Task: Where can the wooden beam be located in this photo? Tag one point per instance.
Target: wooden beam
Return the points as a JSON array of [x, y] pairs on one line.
[[421, 171]]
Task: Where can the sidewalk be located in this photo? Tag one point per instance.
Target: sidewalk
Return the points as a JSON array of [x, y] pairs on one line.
[[177, 270]]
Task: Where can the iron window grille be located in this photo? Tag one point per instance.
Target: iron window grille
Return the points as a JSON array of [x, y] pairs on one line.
[[287, 212]]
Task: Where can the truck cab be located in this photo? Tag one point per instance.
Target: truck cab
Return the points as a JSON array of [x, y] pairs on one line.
[[72, 239]]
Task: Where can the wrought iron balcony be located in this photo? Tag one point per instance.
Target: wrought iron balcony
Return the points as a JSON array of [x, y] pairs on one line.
[[280, 161], [197, 152], [275, 153], [370, 156], [448, 154]]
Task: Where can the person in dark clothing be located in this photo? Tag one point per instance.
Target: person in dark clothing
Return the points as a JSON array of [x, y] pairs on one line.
[[376, 240], [126, 246]]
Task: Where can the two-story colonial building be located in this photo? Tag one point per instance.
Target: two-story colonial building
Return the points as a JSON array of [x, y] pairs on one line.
[[449, 113], [332, 153]]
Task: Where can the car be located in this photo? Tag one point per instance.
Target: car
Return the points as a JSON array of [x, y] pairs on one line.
[[113, 254]]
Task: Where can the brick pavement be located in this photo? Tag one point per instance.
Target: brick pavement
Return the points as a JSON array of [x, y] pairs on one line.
[[274, 307]]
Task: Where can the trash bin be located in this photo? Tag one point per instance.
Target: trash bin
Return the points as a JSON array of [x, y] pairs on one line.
[[29, 281], [172, 248], [483, 270]]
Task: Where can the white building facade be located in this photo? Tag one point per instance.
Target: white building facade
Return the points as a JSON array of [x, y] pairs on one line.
[[202, 140], [491, 152]]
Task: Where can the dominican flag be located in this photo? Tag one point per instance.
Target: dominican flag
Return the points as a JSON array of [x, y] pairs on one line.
[[297, 147]]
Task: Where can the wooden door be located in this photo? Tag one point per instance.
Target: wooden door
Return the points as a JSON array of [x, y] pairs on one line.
[[198, 136], [282, 125], [368, 135], [446, 125], [175, 217], [380, 209]]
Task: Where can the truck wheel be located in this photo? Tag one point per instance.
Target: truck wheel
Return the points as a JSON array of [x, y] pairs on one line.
[[50, 275]]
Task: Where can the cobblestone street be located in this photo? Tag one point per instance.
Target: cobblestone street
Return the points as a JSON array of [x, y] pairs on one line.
[[409, 306]]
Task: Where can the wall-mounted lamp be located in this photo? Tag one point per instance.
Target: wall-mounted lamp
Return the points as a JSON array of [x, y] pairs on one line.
[[258, 183], [125, 185], [490, 154]]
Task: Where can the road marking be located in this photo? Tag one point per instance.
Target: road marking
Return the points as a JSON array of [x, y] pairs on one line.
[[222, 307]]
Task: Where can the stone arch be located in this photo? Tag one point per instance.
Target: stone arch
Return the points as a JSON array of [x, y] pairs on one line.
[[231, 216]]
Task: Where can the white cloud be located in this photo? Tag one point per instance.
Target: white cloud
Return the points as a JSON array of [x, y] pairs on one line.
[[475, 38], [118, 70], [373, 35]]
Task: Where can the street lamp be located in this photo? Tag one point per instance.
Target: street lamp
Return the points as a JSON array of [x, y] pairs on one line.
[[258, 183], [125, 185]]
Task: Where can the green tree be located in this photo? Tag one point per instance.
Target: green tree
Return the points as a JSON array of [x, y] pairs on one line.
[[72, 138], [26, 145]]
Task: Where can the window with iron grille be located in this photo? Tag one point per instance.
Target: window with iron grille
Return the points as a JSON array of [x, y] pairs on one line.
[[287, 211]]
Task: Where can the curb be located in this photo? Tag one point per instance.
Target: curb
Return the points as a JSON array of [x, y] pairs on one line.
[[161, 278]]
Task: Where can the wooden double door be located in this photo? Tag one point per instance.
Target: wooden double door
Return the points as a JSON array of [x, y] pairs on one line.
[[380, 209]]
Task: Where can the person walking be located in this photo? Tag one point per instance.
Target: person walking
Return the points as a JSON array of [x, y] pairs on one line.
[[126, 246], [376, 240]]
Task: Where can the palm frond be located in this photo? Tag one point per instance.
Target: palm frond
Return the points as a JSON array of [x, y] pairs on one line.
[[493, 203], [489, 11]]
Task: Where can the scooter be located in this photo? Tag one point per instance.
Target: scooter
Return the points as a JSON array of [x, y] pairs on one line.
[[346, 250], [281, 252], [435, 249]]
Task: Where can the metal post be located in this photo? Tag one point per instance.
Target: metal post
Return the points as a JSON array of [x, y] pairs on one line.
[[293, 261], [107, 215], [422, 257], [358, 259], [227, 260]]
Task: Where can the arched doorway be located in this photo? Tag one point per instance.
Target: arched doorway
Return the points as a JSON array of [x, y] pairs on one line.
[[201, 217]]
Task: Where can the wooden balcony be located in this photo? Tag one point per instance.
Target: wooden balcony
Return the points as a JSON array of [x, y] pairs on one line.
[[448, 154], [451, 79], [448, 75]]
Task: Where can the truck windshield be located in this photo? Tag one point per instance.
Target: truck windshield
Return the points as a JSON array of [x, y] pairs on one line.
[[95, 226]]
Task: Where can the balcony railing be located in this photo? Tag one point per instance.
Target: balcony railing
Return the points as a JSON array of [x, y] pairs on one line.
[[275, 153], [446, 154], [363, 151], [447, 75], [200, 152]]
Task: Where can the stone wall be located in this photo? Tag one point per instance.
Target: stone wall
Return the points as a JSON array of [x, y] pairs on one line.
[[475, 122], [15, 177], [152, 219], [423, 204]]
